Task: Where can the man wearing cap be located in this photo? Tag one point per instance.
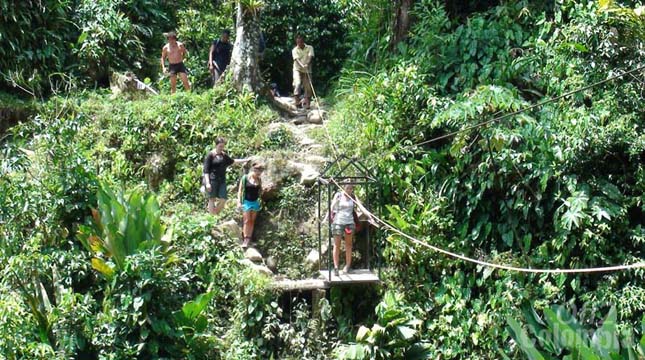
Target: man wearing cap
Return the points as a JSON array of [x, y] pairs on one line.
[[175, 52], [302, 55], [219, 56]]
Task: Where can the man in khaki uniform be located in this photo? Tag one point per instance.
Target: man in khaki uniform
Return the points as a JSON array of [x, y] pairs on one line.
[[302, 55]]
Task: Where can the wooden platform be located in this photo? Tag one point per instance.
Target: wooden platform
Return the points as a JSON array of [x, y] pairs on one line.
[[305, 284], [358, 276]]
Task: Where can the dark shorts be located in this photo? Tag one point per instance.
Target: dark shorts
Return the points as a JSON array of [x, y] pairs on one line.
[[218, 189], [216, 75], [178, 68]]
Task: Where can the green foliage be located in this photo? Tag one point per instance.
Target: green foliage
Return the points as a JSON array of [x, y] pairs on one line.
[[480, 51], [40, 307], [631, 21], [179, 131], [46, 184], [269, 332], [390, 108], [479, 169], [367, 33], [198, 26], [280, 139], [252, 6], [108, 39], [150, 296], [321, 23], [122, 226], [394, 336], [49, 186], [35, 37], [52, 317], [551, 187], [137, 313], [102, 36], [558, 186], [560, 335]]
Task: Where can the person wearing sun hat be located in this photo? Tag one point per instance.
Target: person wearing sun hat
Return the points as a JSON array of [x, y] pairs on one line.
[[248, 198], [175, 51]]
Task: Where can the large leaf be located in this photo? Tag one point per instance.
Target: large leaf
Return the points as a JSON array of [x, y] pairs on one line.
[[605, 4], [538, 329], [362, 333], [135, 232], [355, 352], [114, 243], [192, 309], [153, 219], [568, 333], [124, 226], [417, 352], [586, 353], [523, 340], [406, 332], [102, 267], [641, 344], [605, 339]]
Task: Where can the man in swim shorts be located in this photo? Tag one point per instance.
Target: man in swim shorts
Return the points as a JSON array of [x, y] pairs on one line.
[[175, 52]]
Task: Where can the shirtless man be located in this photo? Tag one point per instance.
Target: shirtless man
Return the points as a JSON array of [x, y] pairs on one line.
[[175, 52]]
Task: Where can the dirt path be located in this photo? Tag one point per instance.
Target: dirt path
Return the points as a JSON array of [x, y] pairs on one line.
[[302, 164]]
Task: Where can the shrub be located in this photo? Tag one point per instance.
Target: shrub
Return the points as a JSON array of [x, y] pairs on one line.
[[394, 336], [122, 227], [561, 335]]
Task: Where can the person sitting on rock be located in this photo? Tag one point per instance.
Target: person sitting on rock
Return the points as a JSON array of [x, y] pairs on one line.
[[275, 91], [175, 51], [215, 164], [302, 55], [248, 198], [343, 225]]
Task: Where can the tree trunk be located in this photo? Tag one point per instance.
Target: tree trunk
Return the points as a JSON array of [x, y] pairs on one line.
[[402, 21], [244, 60]]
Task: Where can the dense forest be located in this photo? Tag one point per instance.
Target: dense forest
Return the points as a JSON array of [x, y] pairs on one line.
[[509, 133]]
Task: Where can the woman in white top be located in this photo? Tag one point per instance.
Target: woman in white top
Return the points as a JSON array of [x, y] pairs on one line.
[[342, 208]]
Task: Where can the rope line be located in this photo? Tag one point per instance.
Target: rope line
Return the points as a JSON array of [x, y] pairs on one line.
[[500, 118], [462, 257], [331, 140], [375, 219]]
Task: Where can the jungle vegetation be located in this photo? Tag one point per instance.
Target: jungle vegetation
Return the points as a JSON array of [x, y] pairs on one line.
[[106, 251]]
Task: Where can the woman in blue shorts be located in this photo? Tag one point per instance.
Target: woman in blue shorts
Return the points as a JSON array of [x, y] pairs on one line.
[[248, 198]]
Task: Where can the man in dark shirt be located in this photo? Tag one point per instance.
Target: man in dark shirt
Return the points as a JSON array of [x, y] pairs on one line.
[[219, 56], [214, 179]]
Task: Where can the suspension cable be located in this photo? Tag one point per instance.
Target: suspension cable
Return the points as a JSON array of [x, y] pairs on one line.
[[376, 220]]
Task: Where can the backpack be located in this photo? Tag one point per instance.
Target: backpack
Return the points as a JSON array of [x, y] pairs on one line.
[[244, 187], [244, 177]]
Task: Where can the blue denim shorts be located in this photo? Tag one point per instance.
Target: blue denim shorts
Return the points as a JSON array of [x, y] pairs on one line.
[[251, 205], [218, 189]]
